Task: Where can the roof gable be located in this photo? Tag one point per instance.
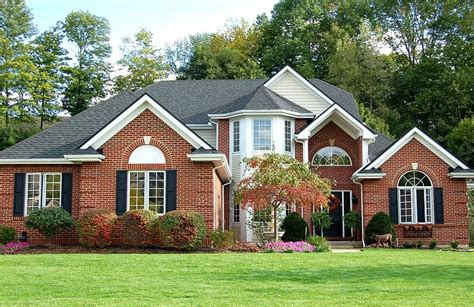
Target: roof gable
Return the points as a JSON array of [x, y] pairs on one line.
[[143, 103]]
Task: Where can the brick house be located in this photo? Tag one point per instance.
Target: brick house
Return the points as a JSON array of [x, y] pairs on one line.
[[179, 145]]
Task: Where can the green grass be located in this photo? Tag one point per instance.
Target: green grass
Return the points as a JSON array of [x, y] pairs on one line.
[[390, 277]]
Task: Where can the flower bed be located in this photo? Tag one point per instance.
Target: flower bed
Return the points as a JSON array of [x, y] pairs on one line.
[[289, 247], [14, 248]]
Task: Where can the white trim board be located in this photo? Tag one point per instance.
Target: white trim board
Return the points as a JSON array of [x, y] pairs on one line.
[[261, 112], [301, 79], [143, 103], [426, 141], [325, 116]]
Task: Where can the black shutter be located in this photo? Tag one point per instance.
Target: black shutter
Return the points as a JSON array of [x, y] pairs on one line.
[[19, 195], [121, 192], [393, 202], [438, 206], [66, 192], [171, 186]]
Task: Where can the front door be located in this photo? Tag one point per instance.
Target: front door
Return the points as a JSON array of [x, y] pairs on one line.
[[344, 205]]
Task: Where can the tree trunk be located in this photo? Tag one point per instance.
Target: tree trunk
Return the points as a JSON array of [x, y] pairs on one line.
[[275, 224]]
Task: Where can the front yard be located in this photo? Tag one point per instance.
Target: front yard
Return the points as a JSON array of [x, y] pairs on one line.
[[394, 277]]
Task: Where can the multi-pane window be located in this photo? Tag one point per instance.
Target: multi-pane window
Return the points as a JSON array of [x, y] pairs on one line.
[[415, 198], [236, 213], [146, 190], [288, 135], [236, 136], [42, 190], [331, 156], [262, 134]]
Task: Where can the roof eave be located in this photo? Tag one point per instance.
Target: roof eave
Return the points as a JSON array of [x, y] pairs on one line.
[[219, 161], [262, 112]]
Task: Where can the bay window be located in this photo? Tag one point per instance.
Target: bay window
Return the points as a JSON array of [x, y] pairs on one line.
[[262, 134]]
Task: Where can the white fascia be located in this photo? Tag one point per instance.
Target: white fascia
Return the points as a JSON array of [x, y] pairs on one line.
[[301, 79], [261, 112], [426, 141], [363, 176], [306, 133], [218, 159], [143, 103], [36, 161], [85, 158], [461, 175]]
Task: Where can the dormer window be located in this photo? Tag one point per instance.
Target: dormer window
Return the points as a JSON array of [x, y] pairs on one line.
[[331, 156], [262, 134]]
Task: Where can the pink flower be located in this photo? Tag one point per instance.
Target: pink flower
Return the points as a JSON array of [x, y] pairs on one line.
[[14, 247], [285, 247]]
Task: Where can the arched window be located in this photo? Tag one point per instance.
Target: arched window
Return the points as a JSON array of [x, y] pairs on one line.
[[147, 154], [415, 198], [331, 155]]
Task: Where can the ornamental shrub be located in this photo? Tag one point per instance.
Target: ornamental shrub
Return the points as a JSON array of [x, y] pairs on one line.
[[7, 234], [222, 239], [137, 227], [379, 224], [49, 221], [289, 247], [181, 230], [454, 244], [433, 244], [95, 227], [14, 248], [295, 228], [320, 243]]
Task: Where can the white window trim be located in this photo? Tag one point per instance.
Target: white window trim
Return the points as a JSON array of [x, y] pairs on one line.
[[414, 200], [42, 191], [253, 135], [335, 165], [291, 134], [233, 136], [234, 209], [146, 200]]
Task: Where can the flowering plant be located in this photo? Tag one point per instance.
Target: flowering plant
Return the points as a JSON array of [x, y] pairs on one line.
[[289, 247], [14, 247]]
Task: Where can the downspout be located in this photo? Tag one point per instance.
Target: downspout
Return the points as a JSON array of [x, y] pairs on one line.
[[222, 195], [361, 210]]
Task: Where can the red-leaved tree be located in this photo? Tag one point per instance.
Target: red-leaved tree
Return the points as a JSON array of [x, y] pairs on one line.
[[276, 180]]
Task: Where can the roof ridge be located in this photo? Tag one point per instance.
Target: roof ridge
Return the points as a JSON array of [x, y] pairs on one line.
[[332, 86], [268, 96]]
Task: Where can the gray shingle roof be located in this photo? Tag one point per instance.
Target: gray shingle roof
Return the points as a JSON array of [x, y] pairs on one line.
[[382, 142], [189, 100]]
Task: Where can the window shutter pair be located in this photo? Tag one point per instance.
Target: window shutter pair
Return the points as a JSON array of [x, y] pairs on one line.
[[20, 189], [437, 203], [121, 191]]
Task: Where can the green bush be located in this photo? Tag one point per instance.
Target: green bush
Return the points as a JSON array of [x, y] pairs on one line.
[[137, 227], [454, 244], [419, 244], [433, 244], [379, 224], [222, 239], [320, 243], [181, 230], [322, 219], [295, 228], [49, 221], [95, 227], [7, 234]]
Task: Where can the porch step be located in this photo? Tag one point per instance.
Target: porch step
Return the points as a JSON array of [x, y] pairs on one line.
[[345, 244]]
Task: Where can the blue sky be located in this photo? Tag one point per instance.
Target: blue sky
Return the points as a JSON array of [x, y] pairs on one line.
[[168, 20]]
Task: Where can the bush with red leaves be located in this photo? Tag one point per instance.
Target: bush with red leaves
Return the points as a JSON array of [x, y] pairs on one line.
[[181, 230], [137, 227], [95, 227]]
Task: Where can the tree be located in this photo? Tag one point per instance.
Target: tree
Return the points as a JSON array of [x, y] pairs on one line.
[[142, 61], [16, 28], [48, 57], [274, 180], [461, 140], [86, 80]]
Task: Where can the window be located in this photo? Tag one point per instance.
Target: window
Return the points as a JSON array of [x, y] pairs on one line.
[[236, 213], [236, 136], [331, 156], [262, 134], [415, 198], [287, 135], [146, 190], [42, 190]]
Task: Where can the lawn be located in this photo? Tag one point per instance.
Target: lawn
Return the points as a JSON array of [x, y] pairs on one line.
[[393, 277]]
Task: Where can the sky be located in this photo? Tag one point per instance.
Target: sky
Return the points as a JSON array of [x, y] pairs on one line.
[[168, 20]]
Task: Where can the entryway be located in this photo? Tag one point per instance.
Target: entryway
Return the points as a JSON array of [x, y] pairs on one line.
[[343, 204]]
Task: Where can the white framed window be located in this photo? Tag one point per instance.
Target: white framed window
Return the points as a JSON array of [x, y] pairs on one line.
[[236, 136], [236, 213], [288, 136], [262, 134], [415, 195], [42, 190], [331, 156], [146, 190]]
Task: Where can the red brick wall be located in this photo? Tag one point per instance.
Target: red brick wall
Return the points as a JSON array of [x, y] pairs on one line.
[[340, 174], [94, 183], [455, 225], [223, 146]]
